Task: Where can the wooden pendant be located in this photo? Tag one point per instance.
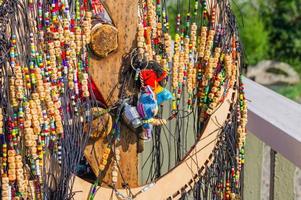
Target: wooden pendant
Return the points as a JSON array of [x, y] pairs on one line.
[[101, 127], [104, 39]]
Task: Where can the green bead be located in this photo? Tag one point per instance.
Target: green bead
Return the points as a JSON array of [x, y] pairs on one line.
[[207, 89]]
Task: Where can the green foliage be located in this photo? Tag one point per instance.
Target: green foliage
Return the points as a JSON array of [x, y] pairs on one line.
[[183, 9], [290, 91], [283, 19], [172, 15], [253, 32], [276, 25]]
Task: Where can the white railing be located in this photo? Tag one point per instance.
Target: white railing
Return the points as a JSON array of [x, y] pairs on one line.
[[275, 120]]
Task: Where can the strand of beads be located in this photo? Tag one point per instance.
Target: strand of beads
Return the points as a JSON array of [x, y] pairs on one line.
[[209, 45], [193, 36], [175, 70], [21, 183], [186, 60], [84, 83], [37, 149], [4, 180], [204, 9], [1, 125], [181, 73], [34, 133], [167, 48], [216, 93], [228, 65], [158, 41], [140, 41], [234, 57], [83, 74], [148, 44], [12, 92], [5, 188], [150, 29], [202, 42], [87, 26], [31, 192], [190, 74], [102, 166], [152, 18], [16, 94], [105, 156], [191, 71], [33, 118], [11, 165], [186, 46], [115, 166], [32, 143], [167, 37], [242, 121], [176, 67]]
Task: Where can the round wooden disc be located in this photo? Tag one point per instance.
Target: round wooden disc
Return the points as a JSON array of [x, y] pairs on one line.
[[101, 127], [104, 39]]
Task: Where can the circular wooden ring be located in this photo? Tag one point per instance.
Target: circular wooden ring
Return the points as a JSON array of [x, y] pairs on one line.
[[189, 168]]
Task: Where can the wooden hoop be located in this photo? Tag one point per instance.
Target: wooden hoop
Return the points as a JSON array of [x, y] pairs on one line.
[[182, 178]]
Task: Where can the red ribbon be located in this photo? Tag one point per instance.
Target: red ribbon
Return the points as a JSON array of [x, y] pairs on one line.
[[96, 92]]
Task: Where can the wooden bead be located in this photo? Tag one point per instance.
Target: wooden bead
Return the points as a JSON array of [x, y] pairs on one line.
[[5, 194], [28, 143], [11, 153], [85, 87], [209, 111], [140, 44], [19, 164], [104, 162], [86, 94], [212, 105], [117, 151], [11, 159], [114, 179], [210, 95], [214, 89], [12, 166], [114, 173], [4, 180], [101, 167], [105, 156], [11, 174], [18, 158]]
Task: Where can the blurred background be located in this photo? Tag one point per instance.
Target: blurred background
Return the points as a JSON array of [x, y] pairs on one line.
[[270, 32]]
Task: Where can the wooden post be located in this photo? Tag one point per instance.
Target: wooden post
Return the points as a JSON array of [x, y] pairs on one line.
[[106, 75]]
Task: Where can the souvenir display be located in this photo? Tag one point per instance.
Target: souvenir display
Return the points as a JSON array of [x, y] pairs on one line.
[[52, 113]]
